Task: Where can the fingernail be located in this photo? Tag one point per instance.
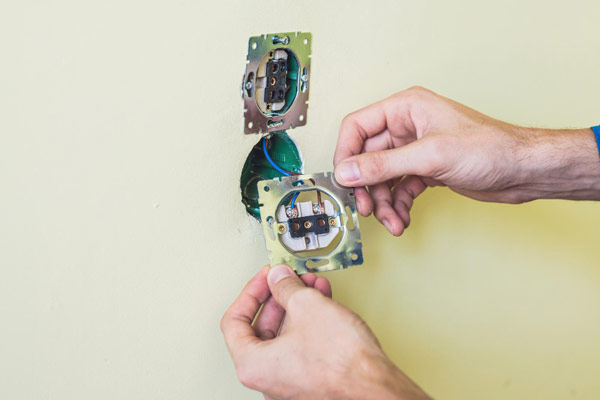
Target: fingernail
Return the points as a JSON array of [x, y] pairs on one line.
[[348, 171], [278, 272], [387, 225]]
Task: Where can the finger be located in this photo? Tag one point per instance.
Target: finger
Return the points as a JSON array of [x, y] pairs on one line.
[[269, 320], [384, 211], [308, 279], [403, 195], [356, 128], [375, 167], [392, 113], [236, 323], [322, 285], [283, 283], [385, 141], [364, 202], [382, 141]]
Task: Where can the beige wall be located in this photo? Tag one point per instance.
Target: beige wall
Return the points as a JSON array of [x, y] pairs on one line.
[[122, 235]]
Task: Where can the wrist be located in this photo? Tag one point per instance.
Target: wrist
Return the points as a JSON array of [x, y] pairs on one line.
[[559, 164], [380, 379]]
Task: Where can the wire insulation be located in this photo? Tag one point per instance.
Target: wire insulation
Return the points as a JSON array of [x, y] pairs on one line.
[[293, 204], [280, 170], [270, 160]]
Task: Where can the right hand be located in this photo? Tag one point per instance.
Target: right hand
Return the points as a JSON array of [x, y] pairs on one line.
[[416, 138]]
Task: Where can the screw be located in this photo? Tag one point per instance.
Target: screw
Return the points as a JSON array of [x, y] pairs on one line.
[[321, 222], [304, 78], [282, 228], [316, 208], [283, 40], [308, 224], [295, 226], [332, 222], [248, 85], [289, 212]]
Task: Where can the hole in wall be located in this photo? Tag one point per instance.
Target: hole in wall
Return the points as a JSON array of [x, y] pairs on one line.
[[283, 151]]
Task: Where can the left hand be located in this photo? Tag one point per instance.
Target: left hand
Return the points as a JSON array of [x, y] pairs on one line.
[[324, 351]]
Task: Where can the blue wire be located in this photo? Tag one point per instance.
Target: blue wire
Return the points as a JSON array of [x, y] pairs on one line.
[[293, 204], [270, 160]]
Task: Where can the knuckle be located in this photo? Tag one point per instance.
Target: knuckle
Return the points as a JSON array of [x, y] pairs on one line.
[[417, 89], [348, 120], [250, 376], [404, 199], [381, 212], [247, 377], [516, 198], [268, 334], [303, 298], [380, 215], [418, 92], [223, 324]]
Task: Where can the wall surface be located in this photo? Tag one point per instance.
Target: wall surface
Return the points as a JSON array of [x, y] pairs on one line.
[[122, 235]]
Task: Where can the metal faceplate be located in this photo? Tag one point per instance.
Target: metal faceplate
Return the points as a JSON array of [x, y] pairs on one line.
[[346, 253], [259, 47]]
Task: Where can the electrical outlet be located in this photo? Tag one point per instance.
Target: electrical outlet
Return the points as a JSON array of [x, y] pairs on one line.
[[276, 82]]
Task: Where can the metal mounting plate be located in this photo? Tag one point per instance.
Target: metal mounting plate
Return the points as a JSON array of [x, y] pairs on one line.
[[346, 253], [257, 121]]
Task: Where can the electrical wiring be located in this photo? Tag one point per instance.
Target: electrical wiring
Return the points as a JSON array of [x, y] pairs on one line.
[[280, 170], [270, 160], [293, 203]]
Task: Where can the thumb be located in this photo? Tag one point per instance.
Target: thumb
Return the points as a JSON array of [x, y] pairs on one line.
[[380, 166], [283, 283]]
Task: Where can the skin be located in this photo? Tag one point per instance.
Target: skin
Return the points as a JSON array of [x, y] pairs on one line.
[[325, 351], [391, 151], [302, 344]]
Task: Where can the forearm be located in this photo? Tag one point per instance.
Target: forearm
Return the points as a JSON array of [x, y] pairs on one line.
[[378, 378], [560, 164]]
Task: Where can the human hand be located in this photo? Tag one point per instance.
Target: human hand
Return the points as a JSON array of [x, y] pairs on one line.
[[416, 138], [324, 351]]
